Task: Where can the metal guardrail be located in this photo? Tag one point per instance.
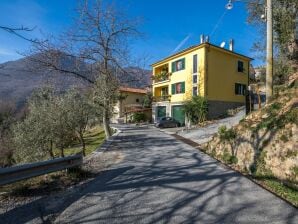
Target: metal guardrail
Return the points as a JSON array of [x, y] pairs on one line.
[[17, 173]]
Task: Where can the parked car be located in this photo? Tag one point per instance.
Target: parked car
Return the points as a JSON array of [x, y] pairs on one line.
[[167, 122]]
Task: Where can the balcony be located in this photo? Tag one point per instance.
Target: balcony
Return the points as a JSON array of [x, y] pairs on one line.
[[161, 77], [162, 98]]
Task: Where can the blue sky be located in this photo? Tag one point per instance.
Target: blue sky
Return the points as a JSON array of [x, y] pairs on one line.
[[165, 24]]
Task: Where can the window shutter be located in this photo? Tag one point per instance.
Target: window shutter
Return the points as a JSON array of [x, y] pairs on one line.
[[173, 89], [183, 63], [182, 87], [173, 67], [236, 87]]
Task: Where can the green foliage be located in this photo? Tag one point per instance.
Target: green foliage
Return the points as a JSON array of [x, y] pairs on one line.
[[260, 165], [295, 170], [226, 134], [284, 138], [226, 156], [147, 103], [196, 109], [291, 154], [275, 121], [284, 24], [283, 190], [93, 137], [139, 117], [7, 119], [282, 70], [233, 160], [229, 158], [54, 121], [164, 75]]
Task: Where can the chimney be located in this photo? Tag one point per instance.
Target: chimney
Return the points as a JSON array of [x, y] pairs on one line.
[[231, 46], [207, 39], [202, 38]]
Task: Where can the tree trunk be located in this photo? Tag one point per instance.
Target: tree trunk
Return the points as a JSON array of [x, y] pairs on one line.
[[106, 125], [82, 140], [62, 152], [51, 150]]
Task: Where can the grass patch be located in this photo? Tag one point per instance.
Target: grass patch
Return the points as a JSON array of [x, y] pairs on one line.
[[289, 193], [94, 137]]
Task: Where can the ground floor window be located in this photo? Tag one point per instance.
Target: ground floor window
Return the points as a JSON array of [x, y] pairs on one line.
[[240, 89]]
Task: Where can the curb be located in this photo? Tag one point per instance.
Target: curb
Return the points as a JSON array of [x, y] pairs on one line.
[[107, 142]]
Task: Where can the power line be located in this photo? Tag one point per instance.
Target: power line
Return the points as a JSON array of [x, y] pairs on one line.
[[218, 22]]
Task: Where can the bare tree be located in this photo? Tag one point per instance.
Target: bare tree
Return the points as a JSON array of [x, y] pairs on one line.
[[96, 50], [17, 31], [103, 33]]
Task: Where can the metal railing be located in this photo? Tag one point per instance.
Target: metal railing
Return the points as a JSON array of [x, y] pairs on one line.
[[162, 98], [22, 172]]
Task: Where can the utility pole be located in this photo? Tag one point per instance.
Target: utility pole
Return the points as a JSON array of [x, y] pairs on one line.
[[269, 50], [269, 58]]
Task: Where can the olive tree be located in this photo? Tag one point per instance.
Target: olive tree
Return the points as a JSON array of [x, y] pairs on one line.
[[33, 137], [79, 111]]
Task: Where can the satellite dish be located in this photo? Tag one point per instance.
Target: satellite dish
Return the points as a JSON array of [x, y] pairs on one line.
[[222, 45]]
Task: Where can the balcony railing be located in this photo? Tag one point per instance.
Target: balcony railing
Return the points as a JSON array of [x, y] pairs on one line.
[[162, 98], [164, 76]]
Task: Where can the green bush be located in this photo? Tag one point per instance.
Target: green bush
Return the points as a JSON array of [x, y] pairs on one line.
[[233, 160], [139, 117], [284, 138], [196, 109], [226, 134], [228, 158]]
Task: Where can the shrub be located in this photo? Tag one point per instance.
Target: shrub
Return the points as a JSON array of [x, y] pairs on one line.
[[139, 117], [226, 134], [233, 160], [228, 158], [196, 109], [284, 138]]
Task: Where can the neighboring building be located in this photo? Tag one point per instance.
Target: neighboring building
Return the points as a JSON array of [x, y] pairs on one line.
[[220, 75], [130, 101]]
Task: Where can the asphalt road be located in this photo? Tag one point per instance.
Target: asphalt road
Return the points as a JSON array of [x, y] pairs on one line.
[[163, 180]]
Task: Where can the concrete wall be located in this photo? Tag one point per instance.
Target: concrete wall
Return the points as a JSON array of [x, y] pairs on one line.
[[218, 108]]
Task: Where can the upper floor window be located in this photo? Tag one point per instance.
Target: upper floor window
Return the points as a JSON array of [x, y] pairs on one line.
[[178, 65], [178, 88], [195, 91], [194, 79], [240, 66], [240, 89], [195, 63], [164, 91]]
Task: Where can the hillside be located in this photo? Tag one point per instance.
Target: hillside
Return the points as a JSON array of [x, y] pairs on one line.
[[264, 144], [19, 78]]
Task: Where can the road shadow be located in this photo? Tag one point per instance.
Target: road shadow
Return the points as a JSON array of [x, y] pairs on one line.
[[161, 180]]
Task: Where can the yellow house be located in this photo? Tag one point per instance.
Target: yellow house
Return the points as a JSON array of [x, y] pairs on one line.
[[130, 101], [207, 70]]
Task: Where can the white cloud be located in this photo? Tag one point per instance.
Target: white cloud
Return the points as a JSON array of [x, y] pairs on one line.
[[7, 52]]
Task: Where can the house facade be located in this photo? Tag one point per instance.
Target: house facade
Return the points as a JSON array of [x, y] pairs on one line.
[[130, 101], [220, 75]]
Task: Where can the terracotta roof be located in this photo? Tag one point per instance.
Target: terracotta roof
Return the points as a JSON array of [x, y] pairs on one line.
[[132, 90]]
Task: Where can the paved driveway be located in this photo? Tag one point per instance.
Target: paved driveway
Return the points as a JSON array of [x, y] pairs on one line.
[[163, 180]]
